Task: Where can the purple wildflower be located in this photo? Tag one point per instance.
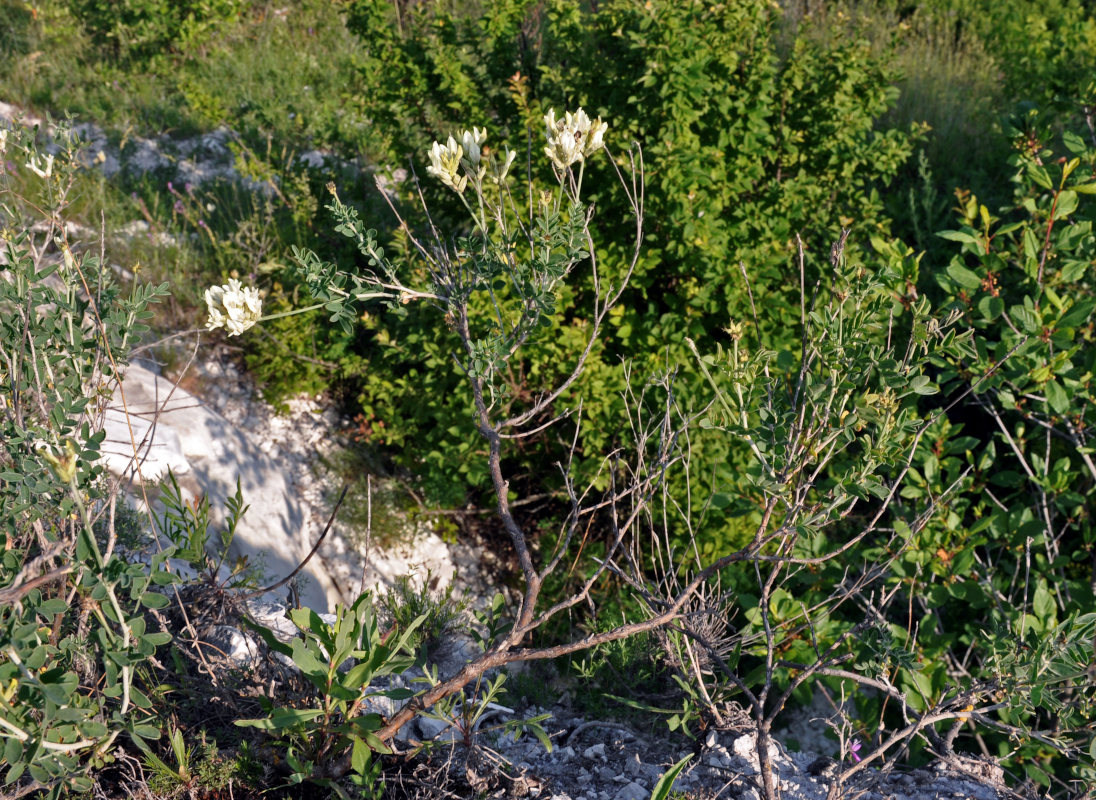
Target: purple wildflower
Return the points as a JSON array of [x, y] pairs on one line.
[[189, 187], [854, 750], [170, 186], [178, 207], [201, 223]]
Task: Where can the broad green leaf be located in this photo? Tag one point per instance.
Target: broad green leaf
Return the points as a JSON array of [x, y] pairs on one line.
[[1074, 143], [139, 698], [1042, 603], [958, 236], [154, 600], [304, 658], [359, 756], [963, 276], [52, 607], [1057, 397], [1066, 205], [921, 384], [1026, 318], [375, 743], [1039, 174], [149, 732], [1078, 314], [991, 307], [359, 675]]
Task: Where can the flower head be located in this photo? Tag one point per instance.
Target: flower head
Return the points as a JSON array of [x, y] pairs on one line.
[[445, 164], [33, 166], [854, 750], [64, 465], [572, 138], [3, 140], [233, 307]]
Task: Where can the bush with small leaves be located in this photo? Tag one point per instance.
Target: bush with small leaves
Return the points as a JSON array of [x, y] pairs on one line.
[[74, 616]]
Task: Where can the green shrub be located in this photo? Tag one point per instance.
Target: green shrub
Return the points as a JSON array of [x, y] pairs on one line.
[[73, 615], [1017, 542], [142, 28], [743, 152]]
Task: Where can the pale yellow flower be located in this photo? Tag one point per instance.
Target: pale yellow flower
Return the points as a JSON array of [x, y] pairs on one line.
[[445, 164], [734, 330], [572, 138], [233, 307], [34, 166]]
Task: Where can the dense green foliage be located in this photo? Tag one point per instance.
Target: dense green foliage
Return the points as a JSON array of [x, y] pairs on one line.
[[743, 150], [142, 28], [62, 355], [759, 126]]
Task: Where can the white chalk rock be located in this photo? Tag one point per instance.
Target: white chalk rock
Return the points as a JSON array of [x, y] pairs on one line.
[[173, 429]]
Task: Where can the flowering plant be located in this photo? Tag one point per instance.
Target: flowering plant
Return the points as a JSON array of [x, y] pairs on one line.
[[233, 307], [572, 138]]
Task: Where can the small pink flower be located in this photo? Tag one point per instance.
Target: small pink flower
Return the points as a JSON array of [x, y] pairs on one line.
[[854, 750]]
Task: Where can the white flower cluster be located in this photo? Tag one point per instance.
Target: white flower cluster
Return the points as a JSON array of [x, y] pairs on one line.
[[3, 140], [572, 138], [446, 160], [34, 166], [445, 165], [233, 307]]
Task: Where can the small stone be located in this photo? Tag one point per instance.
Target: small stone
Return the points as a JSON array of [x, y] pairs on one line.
[[633, 791], [595, 751], [435, 730], [718, 757], [745, 746]]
